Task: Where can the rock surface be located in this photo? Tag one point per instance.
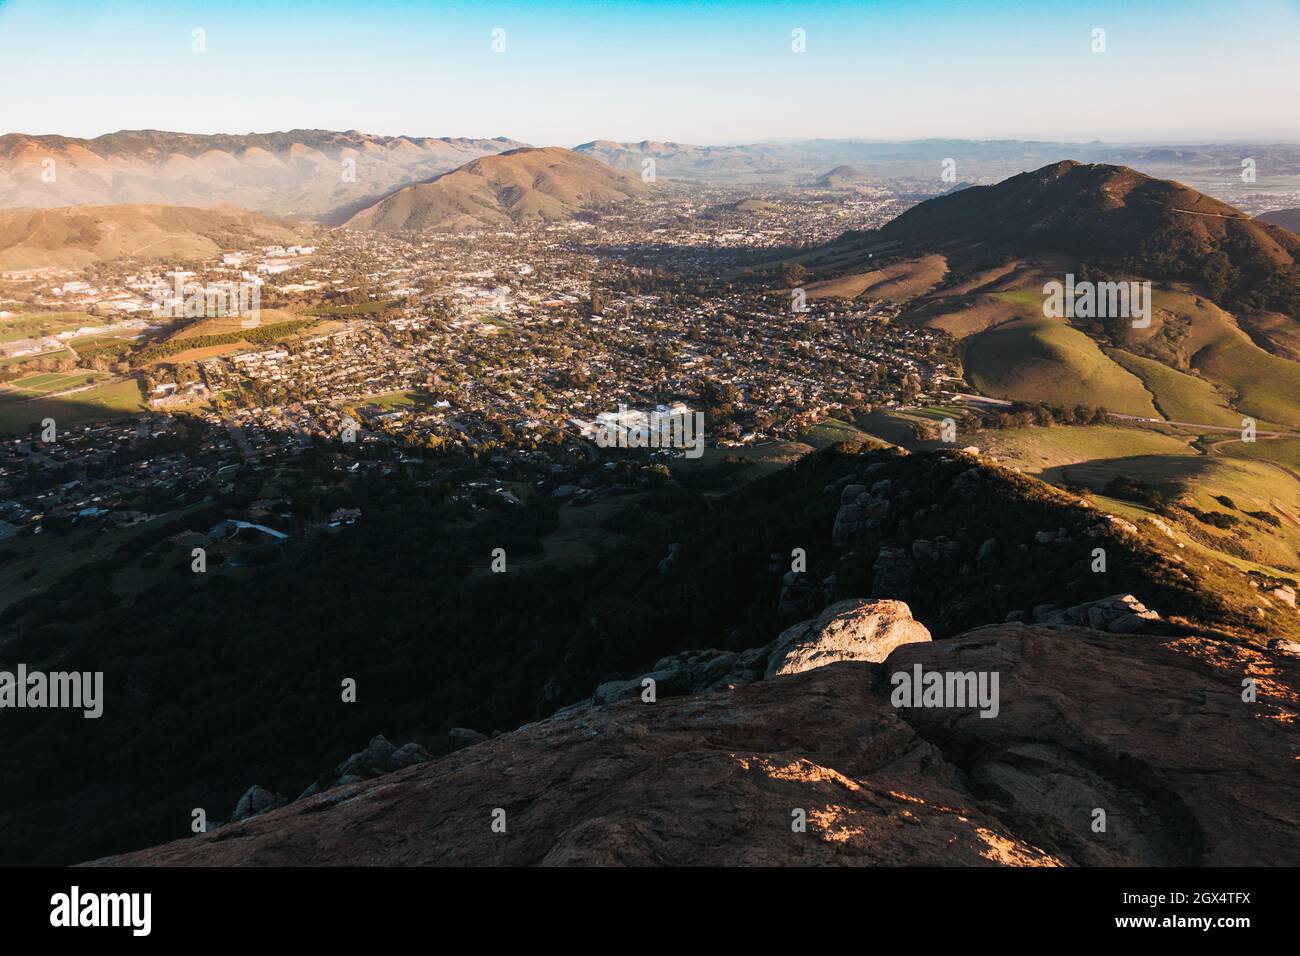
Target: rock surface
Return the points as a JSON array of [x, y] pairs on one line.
[[254, 801], [852, 630], [1151, 729], [1118, 613], [380, 757]]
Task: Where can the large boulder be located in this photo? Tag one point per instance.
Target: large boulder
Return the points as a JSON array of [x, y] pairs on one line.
[[853, 630]]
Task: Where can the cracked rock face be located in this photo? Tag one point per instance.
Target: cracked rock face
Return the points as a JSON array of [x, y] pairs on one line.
[[1151, 729]]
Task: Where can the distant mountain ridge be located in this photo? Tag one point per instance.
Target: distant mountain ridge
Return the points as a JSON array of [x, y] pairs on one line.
[[531, 184], [78, 236], [1113, 217], [307, 174], [1286, 218]]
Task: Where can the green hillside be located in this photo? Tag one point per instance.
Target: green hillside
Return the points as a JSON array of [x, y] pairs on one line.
[[1047, 361]]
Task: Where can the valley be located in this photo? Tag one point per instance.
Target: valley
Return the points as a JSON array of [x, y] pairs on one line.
[[406, 427]]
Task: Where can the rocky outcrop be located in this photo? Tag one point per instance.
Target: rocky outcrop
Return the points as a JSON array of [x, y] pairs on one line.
[[690, 672], [822, 768], [1118, 613], [852, 630], [380, 757], [892, 571], [254, 801], [859, 512]]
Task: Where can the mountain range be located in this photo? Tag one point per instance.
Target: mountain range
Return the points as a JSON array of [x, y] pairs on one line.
[[546, 184], [1286, 218], [305, 174]]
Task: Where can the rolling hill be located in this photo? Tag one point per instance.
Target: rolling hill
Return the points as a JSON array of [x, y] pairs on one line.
[[522, 185], [307, 174], [1225, 317], [77, 236], [841, 177], [1286, 218]]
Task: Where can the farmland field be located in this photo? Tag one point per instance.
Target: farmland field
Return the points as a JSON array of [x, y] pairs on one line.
[[103, 401]]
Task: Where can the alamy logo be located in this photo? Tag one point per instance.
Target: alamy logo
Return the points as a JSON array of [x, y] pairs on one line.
[[1098, 300], [675, 427], [74, 909], [921, 688], [35, 689]]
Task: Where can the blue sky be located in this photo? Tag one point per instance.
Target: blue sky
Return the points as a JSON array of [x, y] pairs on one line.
[[704, 72]]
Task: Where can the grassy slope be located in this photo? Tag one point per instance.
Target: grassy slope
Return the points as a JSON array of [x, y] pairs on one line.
[[1178, 396], [1187, 475], [1046, 361]]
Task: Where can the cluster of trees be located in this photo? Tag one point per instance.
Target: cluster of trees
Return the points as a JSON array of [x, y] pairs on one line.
[[1026, 414]]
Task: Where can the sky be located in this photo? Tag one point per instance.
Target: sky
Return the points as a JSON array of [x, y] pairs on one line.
[[710, 71]]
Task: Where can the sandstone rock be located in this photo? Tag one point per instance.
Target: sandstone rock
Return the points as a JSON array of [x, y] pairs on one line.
[[852, 630], [1118, 613], [1086, 719], [1285, 593], [1116, 522]]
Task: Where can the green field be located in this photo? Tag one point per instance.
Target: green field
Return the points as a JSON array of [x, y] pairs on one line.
[[365, 308], [390, 400], [47, 382], [1030, 300], [21, 359], [1046, 452], [1255, 477], [828, 431], [110, 400], [1178, 396], [32, 324], [1047, 361], [1268, 386], [1281, 451]]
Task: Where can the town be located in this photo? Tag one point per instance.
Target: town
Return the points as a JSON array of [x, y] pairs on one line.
[[480, 363]]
